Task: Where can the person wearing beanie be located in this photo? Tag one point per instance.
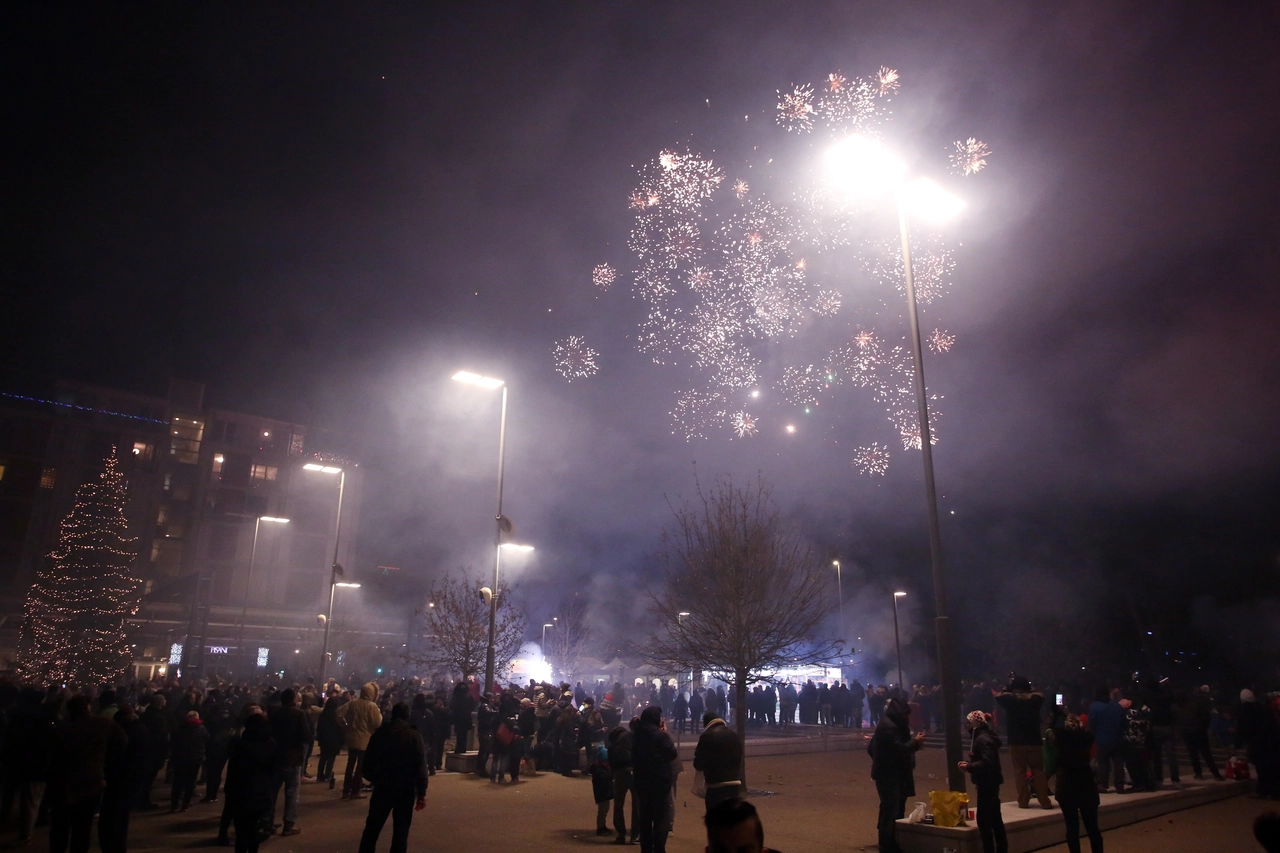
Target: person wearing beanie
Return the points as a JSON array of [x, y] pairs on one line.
[[1023, 708], [983, 767], [186, 754], [1075, 785], [892, 750], [718, 757]]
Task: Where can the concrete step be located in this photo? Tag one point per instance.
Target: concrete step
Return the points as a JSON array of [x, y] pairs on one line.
[[1033, 828]]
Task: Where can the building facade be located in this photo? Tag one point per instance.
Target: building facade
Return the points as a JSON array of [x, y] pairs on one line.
[[225, 591]]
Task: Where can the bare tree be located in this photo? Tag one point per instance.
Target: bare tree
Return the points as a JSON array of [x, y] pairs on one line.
[[571, 639], [455, 624], [742, 594]]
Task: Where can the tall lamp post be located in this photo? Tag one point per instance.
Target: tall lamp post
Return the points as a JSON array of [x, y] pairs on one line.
[[862, 167], [839, 592], [248, 578], [897, 642], [489, 383], [334, 569]]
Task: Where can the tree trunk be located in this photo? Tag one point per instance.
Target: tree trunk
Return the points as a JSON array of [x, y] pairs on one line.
[[740, 720]]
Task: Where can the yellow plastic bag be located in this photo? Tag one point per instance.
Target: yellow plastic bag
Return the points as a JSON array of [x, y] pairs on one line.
[[949, 807]]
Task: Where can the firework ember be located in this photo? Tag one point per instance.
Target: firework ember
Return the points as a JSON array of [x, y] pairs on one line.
[[970, 156], [872, 459], [603, 276], [574, 359], [795, 109]]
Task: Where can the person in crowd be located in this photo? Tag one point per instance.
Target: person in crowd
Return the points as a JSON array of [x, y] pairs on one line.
[[330, 736], [1106, 721], [857, 695], [440, 733], [290, 731], [620, 742], [159, 725], [892, 750], [122, 776], [1192, 717], [734, 826], [983, 767], [28, 745], [1161, 740], [601, 787], [1075, 786], [84, 744], [1258, 734], [566, 738], [718, 756], [360, 719], [461, 704], [875, 705], [423, 720], [1266, 829], [651, 754], [1023, 709], [396, 763], [1137, 732], [187, 753], [680, 712], [216, 715], [251, 776]]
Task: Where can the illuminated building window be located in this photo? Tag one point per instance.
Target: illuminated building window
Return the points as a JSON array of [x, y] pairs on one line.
[[48, 477], [263, 472], [162, 514], [218, 459], [185, 437], [142, 451]]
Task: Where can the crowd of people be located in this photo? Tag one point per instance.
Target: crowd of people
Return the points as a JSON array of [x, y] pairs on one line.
[[72, 754]]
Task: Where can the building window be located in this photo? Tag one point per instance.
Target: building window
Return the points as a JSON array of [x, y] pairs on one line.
[[218, 459], [185, 435], [263, 472], [48, 477], [162, 514], [143, 452]]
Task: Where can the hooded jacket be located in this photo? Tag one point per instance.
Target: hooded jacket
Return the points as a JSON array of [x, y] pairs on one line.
[[397, 759], [361, 717], [1022, 707], [984, 759], [651, 755], [718, 754], [892, 747]]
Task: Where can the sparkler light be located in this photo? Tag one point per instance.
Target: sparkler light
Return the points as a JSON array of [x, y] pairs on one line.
[[574, 359]]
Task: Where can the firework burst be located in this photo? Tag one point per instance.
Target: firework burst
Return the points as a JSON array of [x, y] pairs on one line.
[[574, 359], [740, 189], [696, 412], [795, 109], [826, 303], [888, 80], [743, 424], [872, 459], [969, 156], [603, 276], [940, 341]]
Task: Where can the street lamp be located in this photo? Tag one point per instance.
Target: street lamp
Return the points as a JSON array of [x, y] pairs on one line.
[[334, 569], [545, 626], [490, 383], [839, 592], [864, 168], [253, 553], [897, 642]]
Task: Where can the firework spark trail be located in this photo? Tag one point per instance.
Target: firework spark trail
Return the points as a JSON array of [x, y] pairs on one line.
[[743, 424], [719, 267], [603, 276], [574, 359]]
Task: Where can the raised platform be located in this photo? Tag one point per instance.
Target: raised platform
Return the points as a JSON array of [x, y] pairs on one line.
[[460, 762], [1034, 828]]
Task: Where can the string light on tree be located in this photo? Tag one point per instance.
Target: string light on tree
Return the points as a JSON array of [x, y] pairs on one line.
[[76, 611]]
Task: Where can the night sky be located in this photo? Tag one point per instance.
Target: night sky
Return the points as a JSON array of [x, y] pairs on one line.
[[323, 211]]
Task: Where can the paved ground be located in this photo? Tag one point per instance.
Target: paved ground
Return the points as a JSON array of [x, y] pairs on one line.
[[820, 802]]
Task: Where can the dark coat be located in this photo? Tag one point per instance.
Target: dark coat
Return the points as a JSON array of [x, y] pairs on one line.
[[620, 742], [292, 734], [1076, 785], [190, 743], [984, 759], [329, 732], [159, 726], [461, 706], [718, 754], [651, 755], [251, 768], [78, 771], [396, 758], [29, 742], [1022, 716], [893, 750]]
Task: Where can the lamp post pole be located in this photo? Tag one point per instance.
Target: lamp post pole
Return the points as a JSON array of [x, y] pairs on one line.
[[497, 552], [896, 642], [244, 607], [333, 580], [942, 623]]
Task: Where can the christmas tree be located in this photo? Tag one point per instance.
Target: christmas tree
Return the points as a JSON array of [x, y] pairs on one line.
[[74, 629]]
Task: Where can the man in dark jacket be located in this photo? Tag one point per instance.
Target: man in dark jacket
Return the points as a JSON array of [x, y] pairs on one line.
[[122, 775], [719, 757], [620, 743], [28, 746], [396, 764], [1023, 709], [159, 726], [651, 755], [461, 704], [292, 734], [251, 774], [984, 768], [78, 774], [893, 763], [188, 749]]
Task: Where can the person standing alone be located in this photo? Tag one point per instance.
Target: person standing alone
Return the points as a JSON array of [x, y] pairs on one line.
[[983, 767], [396, 763]]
